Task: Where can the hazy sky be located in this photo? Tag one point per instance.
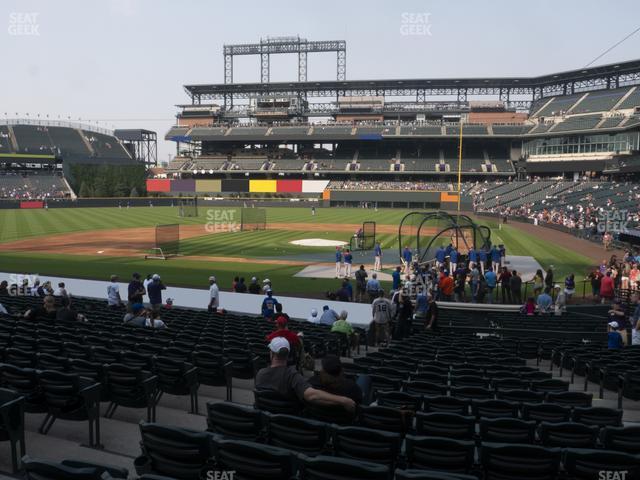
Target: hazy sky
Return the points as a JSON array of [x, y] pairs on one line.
[[123, 62]]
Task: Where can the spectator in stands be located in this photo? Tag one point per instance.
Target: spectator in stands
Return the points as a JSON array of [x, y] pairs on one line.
[[382, 311], [431, 322], [343, 327], [282, 330], [269, 305], [606, 287], [635, 331], [137, 317], [214, 295], [504, 279], [446, 286], [241, 287], [404, 318], [254, 288], [460, 286], [614, 339], [328, 317], [290, 384], [595, 278], [280, 314], [148, 279], [515, 284], [373, 286], [113, 293], [135, 290], [529, 308], [361, 282], [569, 286], [332, 380], [67, 314], [538, 283], [313, 316], [560, 304], [474, 281], [61, 291], [544, 302], [45, 312], [4, 288], [548, 278], [492, 281], [155, 292], [153, 321], [342, 294]]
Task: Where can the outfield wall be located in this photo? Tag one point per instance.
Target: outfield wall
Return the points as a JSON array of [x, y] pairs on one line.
[[234, 185]]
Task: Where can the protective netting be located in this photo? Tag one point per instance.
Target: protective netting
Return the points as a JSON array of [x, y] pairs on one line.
[[253, 219]]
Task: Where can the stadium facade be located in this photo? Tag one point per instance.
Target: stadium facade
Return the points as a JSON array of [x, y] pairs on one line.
[[572, 124]]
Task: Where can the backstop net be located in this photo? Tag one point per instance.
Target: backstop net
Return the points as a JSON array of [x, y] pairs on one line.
[[188, 207], [167, 242], [253, 219]]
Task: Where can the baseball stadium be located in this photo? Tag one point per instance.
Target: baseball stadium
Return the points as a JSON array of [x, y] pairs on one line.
[[430, 277]]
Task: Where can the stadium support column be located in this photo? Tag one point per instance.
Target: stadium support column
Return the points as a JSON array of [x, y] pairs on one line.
[[264, 67], [228, 64], [342, 64]]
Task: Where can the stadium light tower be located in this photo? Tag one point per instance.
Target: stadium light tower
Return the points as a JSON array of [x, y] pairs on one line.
[[285, 45]]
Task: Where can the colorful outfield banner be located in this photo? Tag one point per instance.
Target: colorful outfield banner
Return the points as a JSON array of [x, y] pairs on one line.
[[162, 185]]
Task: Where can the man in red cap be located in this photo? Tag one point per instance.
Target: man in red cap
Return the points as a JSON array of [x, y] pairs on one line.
[[282, 331]]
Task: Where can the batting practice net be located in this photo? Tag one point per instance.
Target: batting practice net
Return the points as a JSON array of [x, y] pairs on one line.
[[365, 237], [253, 219], [188, 207], [167, 242]]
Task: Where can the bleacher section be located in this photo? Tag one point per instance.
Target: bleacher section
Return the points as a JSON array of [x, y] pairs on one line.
[[32, 186], [611, 122], [514, 406], [599, 101], [421, 130], [5, 140], [68, 141], [558, 105], [106, 146], [33, 139], [633, 100], [582, 122]]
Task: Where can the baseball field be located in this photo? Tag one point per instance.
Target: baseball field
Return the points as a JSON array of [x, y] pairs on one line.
[[94, 243]]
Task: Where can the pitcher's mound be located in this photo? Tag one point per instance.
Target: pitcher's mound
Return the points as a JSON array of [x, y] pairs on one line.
[[318, 242]]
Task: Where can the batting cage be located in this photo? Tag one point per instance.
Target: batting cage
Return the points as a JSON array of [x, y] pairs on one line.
[[167, 242], [364, 238], [253, 219], [188, 207], [425, 232]]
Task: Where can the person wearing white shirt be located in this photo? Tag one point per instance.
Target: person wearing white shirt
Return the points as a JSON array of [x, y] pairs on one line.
[[61, 291], [113, 292], [214, 295], [313, 317]]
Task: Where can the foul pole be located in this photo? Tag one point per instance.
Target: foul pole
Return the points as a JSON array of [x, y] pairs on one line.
[[460, 165]]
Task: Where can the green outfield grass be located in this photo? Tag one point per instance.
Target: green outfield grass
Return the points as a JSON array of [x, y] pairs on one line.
[[17, 224]]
